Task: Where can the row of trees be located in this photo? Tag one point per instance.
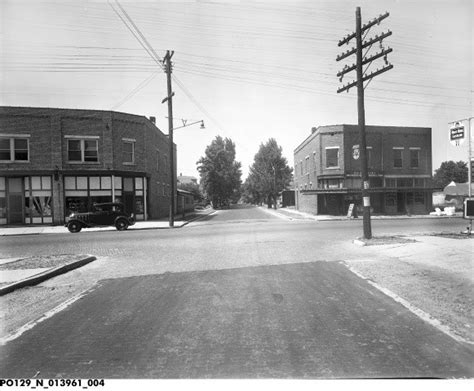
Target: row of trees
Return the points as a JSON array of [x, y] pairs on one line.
[[221, 174]]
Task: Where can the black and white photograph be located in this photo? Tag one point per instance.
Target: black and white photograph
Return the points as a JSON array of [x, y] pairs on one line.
[[261, 194]]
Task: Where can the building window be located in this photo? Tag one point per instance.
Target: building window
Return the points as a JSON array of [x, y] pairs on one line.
[[333, 183], [314, 161], [419, 182], [14, 149], [306, 163], [158, 161], [419, 198], [82, 150], [128, 148], [332, 157], [301, 167], [414, 157], [405, 182], [370, 161], [397, 157]]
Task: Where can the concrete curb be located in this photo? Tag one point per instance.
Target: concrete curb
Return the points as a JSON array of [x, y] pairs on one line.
[[38, 278], [359, 242], [196, 218]]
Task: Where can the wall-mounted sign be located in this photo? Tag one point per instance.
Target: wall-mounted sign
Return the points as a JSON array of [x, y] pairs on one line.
[[456, 134], [355, 152]]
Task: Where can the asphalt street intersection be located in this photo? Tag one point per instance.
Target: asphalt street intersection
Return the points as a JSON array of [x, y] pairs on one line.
[[305, 320]]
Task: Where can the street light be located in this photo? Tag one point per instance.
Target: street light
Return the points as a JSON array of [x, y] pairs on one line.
[[172, 187], [185, 124]]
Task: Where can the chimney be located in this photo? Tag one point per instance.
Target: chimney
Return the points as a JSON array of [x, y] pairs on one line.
[[153, 120], [313, 129]]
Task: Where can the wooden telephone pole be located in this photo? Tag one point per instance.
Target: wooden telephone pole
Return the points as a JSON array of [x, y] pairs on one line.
[[169, 99], [361, 78]]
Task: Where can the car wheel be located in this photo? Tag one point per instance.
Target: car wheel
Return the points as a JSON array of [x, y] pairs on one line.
[[74, 227], [121, 225]]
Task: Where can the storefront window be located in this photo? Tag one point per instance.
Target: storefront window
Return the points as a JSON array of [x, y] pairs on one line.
[[76, 204], [3, 200], [391, 199], [419, 198], [3, 206], [38, 206], [100, 199], [139, 205]]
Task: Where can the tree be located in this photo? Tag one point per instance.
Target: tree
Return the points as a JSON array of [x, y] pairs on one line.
[[269, 174], [251, 192], [450, 171], [220, 173]]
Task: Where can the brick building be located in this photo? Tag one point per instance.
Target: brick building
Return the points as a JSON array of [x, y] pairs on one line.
[[327, 170], [54, 161]]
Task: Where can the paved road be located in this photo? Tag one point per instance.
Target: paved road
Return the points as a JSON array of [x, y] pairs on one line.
[[312, 320], [243, 294]]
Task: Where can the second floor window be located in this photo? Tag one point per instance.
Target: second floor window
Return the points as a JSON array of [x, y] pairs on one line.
[[414, 158], [14, 149], [128, 148], [82, 150], [332, 157], [398, 157]]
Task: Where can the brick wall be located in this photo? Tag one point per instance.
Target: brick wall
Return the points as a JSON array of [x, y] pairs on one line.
[[307, 203]]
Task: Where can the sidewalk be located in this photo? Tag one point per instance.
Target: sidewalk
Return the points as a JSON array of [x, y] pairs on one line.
[[293, 214], [139, 225]]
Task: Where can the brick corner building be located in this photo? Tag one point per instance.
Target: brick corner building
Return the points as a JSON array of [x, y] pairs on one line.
[[328, 176], [54, 161]]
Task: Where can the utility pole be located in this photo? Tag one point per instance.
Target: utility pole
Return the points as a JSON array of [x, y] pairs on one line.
[[169, 99], [361, 60]]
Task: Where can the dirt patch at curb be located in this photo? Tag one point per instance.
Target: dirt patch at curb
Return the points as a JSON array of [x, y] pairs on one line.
[[381, 240], [431, 272], [46, 261]]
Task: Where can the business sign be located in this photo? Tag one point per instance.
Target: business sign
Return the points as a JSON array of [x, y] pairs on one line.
[[457, 134], [355, 152]]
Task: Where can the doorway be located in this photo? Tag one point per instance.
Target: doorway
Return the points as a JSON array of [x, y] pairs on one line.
[[15, 201], [401, 203]]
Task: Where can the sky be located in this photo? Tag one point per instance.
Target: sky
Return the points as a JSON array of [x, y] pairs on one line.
[[252, 70]]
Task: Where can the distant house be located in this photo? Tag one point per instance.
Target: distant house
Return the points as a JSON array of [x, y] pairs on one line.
[[185, 179], [185, 202], [455, 193]]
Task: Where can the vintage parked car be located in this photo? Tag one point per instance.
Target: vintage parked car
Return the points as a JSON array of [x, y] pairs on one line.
[[103, 214]]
